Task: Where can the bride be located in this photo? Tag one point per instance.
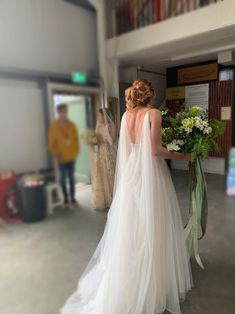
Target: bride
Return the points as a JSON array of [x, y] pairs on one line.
[[141, 264]]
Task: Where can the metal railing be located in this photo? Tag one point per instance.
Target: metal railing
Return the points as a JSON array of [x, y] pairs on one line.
[[127, 15]]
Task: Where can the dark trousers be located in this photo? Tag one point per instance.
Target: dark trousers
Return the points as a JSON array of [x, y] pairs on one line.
[[67, 172]]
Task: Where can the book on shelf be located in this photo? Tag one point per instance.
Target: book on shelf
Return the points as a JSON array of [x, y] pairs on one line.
[[141, 12], [145, 12], [160, 8]]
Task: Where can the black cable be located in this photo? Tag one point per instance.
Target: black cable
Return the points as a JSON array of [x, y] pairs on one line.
[[149, 71]]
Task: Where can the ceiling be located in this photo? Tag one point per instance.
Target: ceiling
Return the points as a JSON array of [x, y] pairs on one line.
[[188, 50]]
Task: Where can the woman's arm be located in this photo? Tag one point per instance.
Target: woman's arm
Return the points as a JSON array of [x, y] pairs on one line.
[[156, 139]]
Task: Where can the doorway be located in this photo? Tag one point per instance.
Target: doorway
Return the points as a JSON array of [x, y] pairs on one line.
[[82, 105], [78, 111]]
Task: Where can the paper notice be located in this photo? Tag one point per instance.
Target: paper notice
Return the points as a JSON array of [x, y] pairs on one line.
[[225, 113], [197, 95]]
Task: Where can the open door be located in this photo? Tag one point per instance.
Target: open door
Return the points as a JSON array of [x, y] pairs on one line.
[[82, 105]]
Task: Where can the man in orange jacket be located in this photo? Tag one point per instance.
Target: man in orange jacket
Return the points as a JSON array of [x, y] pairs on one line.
[[64, 146]]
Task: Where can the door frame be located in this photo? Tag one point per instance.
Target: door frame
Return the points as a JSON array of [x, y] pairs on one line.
[[60, 88]]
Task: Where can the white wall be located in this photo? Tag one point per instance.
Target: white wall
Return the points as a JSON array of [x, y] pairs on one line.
[[47, 35], [127, 74], [212, 165], [22, 127]]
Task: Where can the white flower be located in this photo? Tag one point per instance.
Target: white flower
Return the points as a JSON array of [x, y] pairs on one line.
[[199, 123], [180, 142], [207, 130], [174, 145], [188, 130], [202, 125]]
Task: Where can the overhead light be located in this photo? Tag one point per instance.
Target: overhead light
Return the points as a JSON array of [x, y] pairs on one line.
[[226, 57], [202, 53]]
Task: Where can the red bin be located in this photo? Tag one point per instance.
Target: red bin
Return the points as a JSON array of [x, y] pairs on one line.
[[7, 179]]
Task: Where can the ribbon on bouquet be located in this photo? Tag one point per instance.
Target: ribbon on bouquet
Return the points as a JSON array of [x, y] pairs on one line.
[[198, 209]]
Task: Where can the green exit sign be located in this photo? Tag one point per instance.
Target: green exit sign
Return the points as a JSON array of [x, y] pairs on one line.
[[79, 77]]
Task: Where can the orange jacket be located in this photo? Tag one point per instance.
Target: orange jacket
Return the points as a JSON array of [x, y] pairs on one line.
[[63, 141]]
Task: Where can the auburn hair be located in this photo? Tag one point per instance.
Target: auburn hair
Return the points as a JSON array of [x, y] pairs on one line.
[[140, 93]]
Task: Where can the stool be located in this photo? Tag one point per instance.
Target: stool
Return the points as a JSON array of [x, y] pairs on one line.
[[52, 189]]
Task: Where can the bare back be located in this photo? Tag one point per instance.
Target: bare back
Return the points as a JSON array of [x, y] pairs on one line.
[[134, 120]]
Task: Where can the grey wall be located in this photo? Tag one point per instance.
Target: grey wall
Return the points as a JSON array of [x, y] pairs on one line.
[[47, 35], [37, 36]]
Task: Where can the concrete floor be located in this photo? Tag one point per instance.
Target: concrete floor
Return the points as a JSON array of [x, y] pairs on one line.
[[40, 263]]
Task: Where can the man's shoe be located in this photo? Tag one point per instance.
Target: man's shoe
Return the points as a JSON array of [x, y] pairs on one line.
[[66, 203], [74, 202]]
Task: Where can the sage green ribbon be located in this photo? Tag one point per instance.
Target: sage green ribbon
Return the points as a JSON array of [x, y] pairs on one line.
[[198, 209]]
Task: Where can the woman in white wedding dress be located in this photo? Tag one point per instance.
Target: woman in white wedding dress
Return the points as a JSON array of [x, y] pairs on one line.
[[141, 264]]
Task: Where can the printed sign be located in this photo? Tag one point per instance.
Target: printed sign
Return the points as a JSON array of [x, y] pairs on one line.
[[174, 93], [200, 73], [225, 113], [197, 95]]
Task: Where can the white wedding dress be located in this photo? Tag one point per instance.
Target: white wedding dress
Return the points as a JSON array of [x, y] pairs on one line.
[[141, 264]]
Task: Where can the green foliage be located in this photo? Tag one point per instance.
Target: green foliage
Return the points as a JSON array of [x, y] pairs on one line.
[[192, 131], [218, 127], [167, 135], [195, 111]]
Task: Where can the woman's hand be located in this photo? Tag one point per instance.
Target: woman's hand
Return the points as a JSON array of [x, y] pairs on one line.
[[92, 141], [187, 156]]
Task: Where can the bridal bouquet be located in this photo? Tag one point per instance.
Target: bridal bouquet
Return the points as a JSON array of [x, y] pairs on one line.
[[90, 137], [192, 131]]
